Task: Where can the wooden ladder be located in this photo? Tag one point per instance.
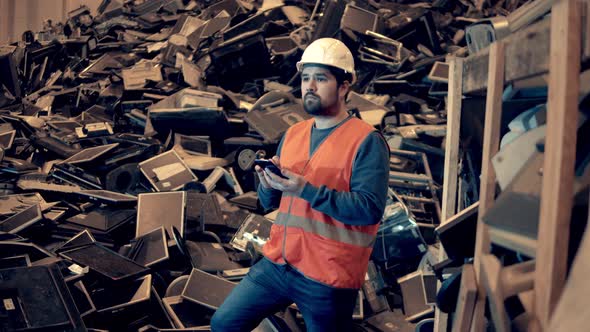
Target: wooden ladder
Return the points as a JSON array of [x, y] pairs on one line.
[[538, 285]]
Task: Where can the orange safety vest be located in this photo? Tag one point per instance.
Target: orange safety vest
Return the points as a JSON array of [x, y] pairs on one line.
[[319, 246]]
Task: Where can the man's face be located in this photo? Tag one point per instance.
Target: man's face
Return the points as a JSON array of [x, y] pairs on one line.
[[319, 90]]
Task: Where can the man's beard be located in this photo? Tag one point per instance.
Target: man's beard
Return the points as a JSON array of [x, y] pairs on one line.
[[312, 104]]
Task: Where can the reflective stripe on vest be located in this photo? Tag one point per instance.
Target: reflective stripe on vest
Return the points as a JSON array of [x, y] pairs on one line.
[[326, 230]]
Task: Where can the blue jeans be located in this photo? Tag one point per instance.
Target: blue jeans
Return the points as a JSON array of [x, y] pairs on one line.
[[270, 287]]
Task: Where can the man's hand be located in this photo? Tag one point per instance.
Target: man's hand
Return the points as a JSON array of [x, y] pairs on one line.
[[260, 172], [294, 184]]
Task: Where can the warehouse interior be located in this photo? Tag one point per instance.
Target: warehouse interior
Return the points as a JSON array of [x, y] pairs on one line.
[[130, 131]]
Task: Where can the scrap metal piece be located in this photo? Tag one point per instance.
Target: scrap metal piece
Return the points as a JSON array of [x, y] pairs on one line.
[[359, 20], [137, 76]]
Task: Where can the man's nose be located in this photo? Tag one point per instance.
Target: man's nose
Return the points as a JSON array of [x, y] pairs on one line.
[[311, 86]]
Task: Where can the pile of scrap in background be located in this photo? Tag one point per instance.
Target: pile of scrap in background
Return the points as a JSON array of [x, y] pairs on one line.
[[127, 143]]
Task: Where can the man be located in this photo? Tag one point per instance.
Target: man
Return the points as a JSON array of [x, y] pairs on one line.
[[337, 169]]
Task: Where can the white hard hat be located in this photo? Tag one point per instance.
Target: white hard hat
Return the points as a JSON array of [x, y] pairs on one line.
[[330, 52]]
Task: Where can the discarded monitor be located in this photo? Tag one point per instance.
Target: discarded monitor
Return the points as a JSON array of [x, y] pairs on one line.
[[22, 220], [90, 154], [6, 139], [271, 123], [412, 287], [75, 175], [103, 219], [187, 313], [210, 257], [37, 298], [167, 172], [452, 233], [151, 248], [81, 298], [359, 20], [10, 204], [207, 289], [439, 72], [258, 229], [115, 297], [105, 262], [398, 237], [204, 210], [107, 197], [161, 209], [81, 239], [15, 261]]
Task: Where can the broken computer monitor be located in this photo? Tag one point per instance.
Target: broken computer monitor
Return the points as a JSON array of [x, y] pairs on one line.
[[36, 298], [239, 59], [15, 261], [167, 172], [81, 298], [103, 219], [65, 125], [439, 72], [255, 228], [272, 123], [107, 197], [90, 154], [12, 247], [150, 248], [210, 257], [398, 237], [207, 289], [161, 209], [200, 145], [75, 175], [105, 262], [81, 239], [359, 20], [22, 219], [412, 287], [248, 200], [203, 210], [112, 297], [186, 313], [6, 139], [452, 233], [9, 71], [190, 120], [10, 204]]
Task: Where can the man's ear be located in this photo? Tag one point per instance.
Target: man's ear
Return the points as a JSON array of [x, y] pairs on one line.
[[343, 89]]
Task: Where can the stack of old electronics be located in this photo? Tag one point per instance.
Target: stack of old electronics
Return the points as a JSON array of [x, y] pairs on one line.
[[127, 140]]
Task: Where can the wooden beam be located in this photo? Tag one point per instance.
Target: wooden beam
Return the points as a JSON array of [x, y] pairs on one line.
[[441, 319], [527, 54], [449, 199], [492, 281], [560, 153], [466, 300], [575, 293], [451, 172], [513, 241], [491, 143]]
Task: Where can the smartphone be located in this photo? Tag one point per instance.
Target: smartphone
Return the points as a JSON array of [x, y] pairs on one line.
[[267, 164]]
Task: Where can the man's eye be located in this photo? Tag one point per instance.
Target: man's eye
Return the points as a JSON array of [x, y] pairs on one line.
[[305, 79], [321, 79]]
